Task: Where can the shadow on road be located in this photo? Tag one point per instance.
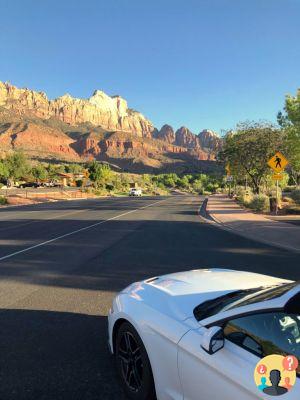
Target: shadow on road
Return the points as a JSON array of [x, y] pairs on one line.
[[111, 256], [55, 355]]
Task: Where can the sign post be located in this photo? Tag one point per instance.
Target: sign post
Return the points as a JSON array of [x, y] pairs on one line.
[[278, 163], [229, 178]]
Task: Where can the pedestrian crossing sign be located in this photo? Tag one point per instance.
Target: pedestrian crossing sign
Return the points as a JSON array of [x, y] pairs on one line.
[[278, 162]]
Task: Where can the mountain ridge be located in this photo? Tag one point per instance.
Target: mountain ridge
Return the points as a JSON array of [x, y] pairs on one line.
[[100, 127]]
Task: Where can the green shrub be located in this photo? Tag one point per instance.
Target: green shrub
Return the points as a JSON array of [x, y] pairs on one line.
[[100, 192], [260, 202], [295, 195], [244, 196], [3, 200]]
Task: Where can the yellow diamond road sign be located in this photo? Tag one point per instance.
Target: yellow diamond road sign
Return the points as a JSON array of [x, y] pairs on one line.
[[278, 162]]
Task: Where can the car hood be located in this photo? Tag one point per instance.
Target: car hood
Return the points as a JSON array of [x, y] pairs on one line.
[[178, 294]]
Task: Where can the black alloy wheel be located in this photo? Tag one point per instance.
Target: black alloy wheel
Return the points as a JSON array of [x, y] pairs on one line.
[[133, 364]]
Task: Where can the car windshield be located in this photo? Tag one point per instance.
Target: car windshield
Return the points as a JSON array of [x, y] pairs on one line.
[[240, 298]]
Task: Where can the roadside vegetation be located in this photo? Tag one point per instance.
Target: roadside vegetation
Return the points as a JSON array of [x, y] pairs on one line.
[[97, 178], [246, 151]]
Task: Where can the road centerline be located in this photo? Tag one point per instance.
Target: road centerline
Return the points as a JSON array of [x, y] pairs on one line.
[[77, 231]]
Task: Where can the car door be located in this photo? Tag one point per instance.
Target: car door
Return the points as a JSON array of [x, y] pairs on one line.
[[228, 373]]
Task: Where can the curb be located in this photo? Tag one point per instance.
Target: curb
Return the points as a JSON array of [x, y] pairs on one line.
[[205, 214]]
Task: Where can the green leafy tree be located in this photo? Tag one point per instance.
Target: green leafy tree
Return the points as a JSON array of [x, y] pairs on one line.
[[4, 173], [51, 171], [290, 122], [292, 108], [39, 172], [248, 149], [183, 182], [74, 168], [99, 174], [170, 180], [17, 166]]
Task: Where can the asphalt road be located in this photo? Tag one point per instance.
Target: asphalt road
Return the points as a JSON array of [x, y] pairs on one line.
[[62, 263]]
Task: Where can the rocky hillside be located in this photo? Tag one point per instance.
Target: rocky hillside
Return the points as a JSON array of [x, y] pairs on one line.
[[112, 113], [210, 141], [101, 127]]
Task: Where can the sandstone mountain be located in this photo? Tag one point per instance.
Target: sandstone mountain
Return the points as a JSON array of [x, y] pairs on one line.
[[101, 127], [99, 110], [210, 141]]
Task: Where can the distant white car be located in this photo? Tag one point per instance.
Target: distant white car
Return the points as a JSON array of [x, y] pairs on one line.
[[135, 192], [198, 335]]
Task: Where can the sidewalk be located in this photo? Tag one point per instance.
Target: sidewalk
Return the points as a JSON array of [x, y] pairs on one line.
[[229, 215]]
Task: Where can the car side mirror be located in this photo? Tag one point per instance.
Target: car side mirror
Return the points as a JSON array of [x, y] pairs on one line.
[[213, 340]]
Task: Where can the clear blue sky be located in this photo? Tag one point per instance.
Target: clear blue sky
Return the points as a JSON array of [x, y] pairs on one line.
[[198, 63]]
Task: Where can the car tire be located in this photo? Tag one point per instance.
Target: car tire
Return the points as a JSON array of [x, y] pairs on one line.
[[133, 364]]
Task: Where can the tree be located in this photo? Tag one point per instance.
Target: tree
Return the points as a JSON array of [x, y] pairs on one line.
[[74, 168], [169, 180], [290, 122], [39, 172], [4, 173], [51, 171], [248, 149], [17, 166], [183, 182], [99, 173], [292, 108]]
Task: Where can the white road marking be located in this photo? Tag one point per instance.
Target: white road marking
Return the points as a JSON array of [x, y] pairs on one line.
[[38, 221], [76, 231]]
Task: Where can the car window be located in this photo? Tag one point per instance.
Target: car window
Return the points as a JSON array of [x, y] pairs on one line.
[[266, 333]]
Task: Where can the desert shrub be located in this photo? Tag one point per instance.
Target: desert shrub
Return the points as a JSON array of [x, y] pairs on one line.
[[198, 186], [183, 183], [3, 200], [260, 202], [100, 192], [212, 187], [295, 195], [244, 196]]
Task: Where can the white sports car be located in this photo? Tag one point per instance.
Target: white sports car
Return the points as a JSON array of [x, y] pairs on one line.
[[198, 335]]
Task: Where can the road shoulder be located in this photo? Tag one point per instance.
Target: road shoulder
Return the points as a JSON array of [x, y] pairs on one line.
[[227, 214]]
